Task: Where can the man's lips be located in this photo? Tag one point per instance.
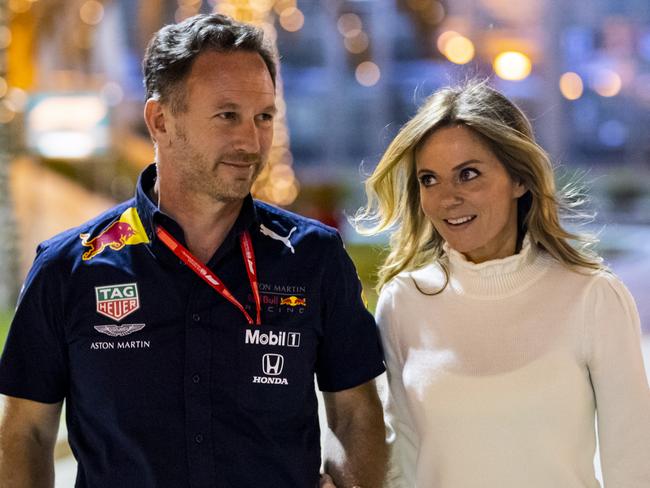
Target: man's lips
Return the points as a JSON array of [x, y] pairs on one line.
[[237, 164]]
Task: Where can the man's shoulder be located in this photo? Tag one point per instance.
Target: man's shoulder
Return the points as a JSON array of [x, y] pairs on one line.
[[270, 215], [68, 242]]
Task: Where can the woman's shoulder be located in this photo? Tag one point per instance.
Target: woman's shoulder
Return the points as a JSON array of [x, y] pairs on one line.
[[594, 285], [606, 286]]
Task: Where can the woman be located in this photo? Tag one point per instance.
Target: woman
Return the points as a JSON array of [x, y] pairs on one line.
[[502, 339]]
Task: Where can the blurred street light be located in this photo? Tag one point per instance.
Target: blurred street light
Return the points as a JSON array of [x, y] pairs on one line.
[[512, 66], [571, 85], [292, 19], [91, 12], [606, 82], [459, 49], [367, 73]]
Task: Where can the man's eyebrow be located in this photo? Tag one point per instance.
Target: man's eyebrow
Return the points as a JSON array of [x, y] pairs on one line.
[[227, 106], [234, 106]]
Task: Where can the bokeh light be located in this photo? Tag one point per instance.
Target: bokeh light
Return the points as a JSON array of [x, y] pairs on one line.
[[292, 19], [459, 50], [444, 38], [5, 37], [281, 5], [7, 112], [434, 13], [4, 86], [367, 73], [349, 25], [571, 85], [19, 6], [357, 44], [284, 196], [262, 6], [91, 12], [417, 4], [607, 83], [512, 66], [18, 98]]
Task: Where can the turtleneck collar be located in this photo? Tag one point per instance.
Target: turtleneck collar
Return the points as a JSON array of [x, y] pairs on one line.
[[499, 277]]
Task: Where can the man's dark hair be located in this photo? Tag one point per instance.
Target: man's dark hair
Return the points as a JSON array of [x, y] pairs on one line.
[[173, 49]]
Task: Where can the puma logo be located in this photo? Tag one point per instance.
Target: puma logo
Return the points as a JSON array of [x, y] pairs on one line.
[[285, 240]]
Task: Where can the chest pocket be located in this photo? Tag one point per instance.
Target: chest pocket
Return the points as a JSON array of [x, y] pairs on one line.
[[275, 367]]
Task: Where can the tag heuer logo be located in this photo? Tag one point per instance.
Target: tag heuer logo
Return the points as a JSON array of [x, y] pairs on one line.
[[117, 301]]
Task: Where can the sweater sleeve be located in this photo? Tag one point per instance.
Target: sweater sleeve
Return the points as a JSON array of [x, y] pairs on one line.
[[400, 431], [620, 385]]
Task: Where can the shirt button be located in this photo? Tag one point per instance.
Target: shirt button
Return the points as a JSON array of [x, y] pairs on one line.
[[196, 378], [196, 317], [198, 438]]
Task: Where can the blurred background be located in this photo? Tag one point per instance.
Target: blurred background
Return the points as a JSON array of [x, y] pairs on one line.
[[72, 138]]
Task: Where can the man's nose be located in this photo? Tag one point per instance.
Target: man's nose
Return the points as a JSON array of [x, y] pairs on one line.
[[247, 138]]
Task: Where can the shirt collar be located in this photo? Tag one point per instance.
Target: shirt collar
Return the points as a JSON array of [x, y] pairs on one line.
[[151, 215]]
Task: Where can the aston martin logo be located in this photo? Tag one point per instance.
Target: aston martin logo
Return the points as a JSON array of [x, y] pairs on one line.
[[119, 330]]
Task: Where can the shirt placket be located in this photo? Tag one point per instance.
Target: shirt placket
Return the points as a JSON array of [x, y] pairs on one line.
[[198, 409]]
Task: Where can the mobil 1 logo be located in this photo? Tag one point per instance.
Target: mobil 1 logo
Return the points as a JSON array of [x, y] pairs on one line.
[[270, 338]]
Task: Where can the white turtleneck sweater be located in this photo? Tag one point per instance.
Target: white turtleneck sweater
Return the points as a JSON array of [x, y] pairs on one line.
[[494, 383]]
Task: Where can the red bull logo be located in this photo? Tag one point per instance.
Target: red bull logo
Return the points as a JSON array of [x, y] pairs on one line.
[[127, 230], [294, 301]]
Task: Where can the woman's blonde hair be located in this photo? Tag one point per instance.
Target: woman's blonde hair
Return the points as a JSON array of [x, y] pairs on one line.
[[394, 197]]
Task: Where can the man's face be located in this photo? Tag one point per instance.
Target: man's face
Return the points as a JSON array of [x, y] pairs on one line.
[[221, 140]]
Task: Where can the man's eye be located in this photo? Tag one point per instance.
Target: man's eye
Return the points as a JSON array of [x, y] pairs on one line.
[[227, 115], [427, 180], [266, 117], [467, 174]]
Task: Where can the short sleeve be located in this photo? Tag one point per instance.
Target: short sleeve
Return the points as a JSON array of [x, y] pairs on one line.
[[349, 353], [620, 385], [32, 365], [400, 432]]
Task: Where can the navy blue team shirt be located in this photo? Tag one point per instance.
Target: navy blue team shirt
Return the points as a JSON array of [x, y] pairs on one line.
[[165, 383]]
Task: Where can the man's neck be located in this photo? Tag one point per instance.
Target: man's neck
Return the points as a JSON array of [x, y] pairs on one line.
[[205, 222]]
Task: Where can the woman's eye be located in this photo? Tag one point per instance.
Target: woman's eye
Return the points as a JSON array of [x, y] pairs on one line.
[[427, 180], [467, 174]]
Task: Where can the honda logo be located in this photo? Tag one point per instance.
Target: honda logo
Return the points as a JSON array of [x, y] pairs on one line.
[[272, 364]]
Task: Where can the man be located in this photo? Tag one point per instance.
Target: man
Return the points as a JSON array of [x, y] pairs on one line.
[[180, 374]]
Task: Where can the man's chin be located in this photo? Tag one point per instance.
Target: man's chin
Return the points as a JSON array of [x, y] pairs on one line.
[[233, 193]]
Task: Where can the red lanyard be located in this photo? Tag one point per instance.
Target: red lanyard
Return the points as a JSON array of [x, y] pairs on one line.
[[211, 279]]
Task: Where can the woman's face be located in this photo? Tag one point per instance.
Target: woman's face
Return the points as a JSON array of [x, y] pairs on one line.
[[467, 194]]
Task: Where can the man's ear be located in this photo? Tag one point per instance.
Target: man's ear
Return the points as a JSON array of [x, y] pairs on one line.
[[155, 118]]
